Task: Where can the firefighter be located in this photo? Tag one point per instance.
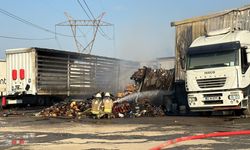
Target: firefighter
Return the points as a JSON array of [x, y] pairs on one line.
[[96, 108], [108, 104]]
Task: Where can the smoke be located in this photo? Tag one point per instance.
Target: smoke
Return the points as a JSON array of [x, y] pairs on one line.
[[141, 40], [144, 40], [125, 72]]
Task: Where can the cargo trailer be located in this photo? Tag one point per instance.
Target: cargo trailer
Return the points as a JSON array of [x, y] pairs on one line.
[[3, 77], [38, 75]]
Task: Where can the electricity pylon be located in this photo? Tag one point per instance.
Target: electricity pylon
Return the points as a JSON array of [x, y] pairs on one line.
[[96, 23]]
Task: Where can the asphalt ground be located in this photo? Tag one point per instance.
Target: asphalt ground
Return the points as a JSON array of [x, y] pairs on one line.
[[22, 130]]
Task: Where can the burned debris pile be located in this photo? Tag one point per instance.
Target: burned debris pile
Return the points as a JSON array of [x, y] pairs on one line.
[[153, 79], [73, 109], [145, 79], [141, 109], [129, 89], [81, 110]]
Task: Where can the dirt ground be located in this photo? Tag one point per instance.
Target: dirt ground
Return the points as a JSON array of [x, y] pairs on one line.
[[30, 132]]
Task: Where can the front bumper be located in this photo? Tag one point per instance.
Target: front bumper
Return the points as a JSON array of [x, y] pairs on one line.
[[220, 100]]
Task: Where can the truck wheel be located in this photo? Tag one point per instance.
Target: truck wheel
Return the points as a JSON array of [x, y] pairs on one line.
[[238, 112], [206, 113]]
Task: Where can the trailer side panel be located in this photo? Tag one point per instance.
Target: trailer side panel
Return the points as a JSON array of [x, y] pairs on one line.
[[63, 73]]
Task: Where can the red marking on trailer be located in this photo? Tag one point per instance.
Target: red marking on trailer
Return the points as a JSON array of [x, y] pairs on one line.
[[14, 74], [18, 142], [22, 74]]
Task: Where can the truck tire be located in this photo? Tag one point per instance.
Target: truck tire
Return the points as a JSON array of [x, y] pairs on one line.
[[206, 113], [238, 112]]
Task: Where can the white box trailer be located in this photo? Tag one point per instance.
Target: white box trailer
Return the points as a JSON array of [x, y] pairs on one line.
[[2, 77], [52, 73], [21, 71]]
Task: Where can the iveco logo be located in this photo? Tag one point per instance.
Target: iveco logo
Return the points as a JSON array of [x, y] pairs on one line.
[[209, 72]]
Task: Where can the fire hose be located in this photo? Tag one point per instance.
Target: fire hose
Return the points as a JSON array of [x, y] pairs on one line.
[[201, 136]]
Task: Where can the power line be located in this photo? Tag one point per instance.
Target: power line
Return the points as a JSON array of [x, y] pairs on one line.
[[88, 8], [30, 23], [84, 9], [74, 26], [93, 17], [58, 43], [27, 39], [101, 31]]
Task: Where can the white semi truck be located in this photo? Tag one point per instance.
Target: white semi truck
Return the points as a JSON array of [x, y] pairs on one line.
[[218, 73]]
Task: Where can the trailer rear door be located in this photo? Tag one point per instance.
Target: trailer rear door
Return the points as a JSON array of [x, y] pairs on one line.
[[2, 78], [21, 71]]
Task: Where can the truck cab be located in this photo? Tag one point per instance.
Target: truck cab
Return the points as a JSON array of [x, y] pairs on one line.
[[217, 71]]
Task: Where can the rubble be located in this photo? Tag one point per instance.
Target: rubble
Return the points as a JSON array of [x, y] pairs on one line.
[[141, 109], [146, 79], [153, 79], [73, 109], [130, 88], [81, 109]]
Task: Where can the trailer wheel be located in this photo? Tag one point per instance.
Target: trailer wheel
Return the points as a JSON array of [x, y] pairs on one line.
[[40, 101]]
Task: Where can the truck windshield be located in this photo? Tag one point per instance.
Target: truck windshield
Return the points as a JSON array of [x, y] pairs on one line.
[[211, 60]]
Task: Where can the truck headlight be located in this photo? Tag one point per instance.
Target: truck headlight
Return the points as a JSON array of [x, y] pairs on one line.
[[233, 97]]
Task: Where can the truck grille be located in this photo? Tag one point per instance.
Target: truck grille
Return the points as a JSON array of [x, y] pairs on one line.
[[211, 83]]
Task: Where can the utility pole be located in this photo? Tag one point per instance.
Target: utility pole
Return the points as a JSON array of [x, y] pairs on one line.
[[96, 23]]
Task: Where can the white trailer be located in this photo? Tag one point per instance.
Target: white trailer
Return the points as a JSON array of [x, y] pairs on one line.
[[37, 75], [2, 77], [218, 73]]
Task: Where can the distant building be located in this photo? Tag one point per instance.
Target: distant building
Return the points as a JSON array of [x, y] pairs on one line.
[[151, 63], [163, 62], [166, 62]]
